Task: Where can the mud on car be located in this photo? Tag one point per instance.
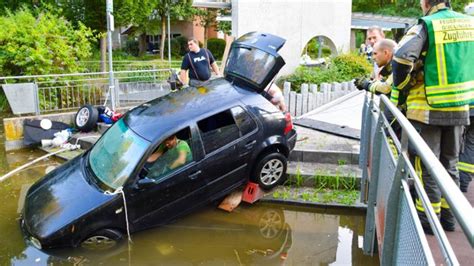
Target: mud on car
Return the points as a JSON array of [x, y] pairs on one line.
[[230, 132]]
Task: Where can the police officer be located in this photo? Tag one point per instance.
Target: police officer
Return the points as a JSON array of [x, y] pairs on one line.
[[431, 74]]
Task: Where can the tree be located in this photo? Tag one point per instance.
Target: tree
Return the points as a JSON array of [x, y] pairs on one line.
[[141, 15], [207, 20], [43, 44], [92, 14], [147, 15], [178, 9], [224, 26], [404, 8]]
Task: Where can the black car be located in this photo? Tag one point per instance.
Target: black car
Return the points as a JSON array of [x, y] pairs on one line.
[[228, 130]]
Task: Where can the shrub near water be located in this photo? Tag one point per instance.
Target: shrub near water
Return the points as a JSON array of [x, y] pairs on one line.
[[45, 44], [341, 68]]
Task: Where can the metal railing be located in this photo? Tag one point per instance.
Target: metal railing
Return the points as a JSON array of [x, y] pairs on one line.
[[64, 92], [126, 65], [392, 222]]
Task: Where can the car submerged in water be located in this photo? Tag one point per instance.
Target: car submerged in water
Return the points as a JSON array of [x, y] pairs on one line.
[[225, 134]]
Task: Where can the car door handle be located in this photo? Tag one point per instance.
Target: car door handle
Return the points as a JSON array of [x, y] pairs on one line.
[[250, 144], [195, 175]]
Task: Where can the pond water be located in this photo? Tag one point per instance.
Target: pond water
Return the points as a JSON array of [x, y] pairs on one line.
[[251, 235]]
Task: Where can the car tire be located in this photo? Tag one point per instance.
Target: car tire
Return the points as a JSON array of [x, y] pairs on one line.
[[86, 118], [270, 170], [102, 240], [271, 223]]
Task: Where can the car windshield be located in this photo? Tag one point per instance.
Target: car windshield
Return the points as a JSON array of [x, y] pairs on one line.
[[250, 63], [116, 154]]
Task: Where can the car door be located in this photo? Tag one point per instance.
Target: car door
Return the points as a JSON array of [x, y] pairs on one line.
[[154, 202], [222, 166], [248, 132]]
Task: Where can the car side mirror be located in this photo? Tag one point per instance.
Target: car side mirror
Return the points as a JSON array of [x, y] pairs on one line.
[[145, 182]]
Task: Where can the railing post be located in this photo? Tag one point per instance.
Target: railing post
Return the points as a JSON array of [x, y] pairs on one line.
[[37, 101], [369, 235], [392, 211], [365, 146]]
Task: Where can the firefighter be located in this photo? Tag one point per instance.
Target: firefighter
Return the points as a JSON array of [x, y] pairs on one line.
[[466, 158], [383, 52], [431, 75]]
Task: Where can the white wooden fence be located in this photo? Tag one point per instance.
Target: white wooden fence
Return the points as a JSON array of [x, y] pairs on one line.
[[312, 96]]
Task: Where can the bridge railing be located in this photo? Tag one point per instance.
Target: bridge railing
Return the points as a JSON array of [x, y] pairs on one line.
[[392, 224], [62, 92]]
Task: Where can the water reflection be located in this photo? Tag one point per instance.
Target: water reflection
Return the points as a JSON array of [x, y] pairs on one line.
[[259, 234]]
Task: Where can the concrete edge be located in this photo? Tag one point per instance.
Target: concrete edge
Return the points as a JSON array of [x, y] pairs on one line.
[[360, 207], [324, 156]]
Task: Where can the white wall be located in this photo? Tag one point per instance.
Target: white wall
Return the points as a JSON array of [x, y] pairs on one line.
[[298, 21]]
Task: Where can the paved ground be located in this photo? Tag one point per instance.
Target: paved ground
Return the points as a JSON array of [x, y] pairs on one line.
[[458, 240]]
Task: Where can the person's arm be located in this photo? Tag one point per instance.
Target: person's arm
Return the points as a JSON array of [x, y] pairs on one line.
[[381, 86], [183, 151], [181, 160], [154, 156], [215, 68], [408, 52], [183, 76]]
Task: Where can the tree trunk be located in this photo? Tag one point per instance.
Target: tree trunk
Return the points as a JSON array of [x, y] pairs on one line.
[[142, 44], [163, 37], [103, 53]]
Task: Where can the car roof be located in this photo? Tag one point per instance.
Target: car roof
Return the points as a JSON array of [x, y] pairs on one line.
[[178, 109]]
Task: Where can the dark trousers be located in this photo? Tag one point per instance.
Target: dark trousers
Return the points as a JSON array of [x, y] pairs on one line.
[[466, 158], [445, 142]]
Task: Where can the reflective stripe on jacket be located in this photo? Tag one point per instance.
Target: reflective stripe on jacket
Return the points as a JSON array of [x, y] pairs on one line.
[[449, 80], [408, 80]]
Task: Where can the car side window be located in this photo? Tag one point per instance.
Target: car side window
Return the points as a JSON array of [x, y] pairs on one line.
[[218, 130], [173, 153], [243, 120]]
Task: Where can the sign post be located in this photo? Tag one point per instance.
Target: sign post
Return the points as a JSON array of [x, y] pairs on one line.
[[110, 28]]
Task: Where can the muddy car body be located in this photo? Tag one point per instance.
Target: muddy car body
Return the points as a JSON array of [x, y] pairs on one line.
[[233, 133]]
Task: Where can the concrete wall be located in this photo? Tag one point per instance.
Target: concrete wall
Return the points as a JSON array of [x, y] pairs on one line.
[[298, 21]]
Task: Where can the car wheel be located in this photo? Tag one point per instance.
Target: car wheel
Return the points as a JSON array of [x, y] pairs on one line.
[[86, 118], [270, 171], [102, 240], [271, 223]]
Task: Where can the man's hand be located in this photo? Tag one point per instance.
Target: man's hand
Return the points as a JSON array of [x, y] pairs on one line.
[[362, 84]]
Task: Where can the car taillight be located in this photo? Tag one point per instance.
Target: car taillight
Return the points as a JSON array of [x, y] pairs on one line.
[[289, 124]]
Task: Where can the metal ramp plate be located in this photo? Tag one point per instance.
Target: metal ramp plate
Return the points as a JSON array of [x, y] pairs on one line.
[[338, 130]]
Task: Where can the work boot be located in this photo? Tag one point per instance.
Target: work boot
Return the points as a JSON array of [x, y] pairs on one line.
[[424, 223], [447, 220], [463, 186]]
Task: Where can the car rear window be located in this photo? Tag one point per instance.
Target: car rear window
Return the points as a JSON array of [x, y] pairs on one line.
[[218, 130], [244, 120]]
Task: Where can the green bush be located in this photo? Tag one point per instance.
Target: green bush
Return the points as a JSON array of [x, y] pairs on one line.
[[131, 47], [183, 45], [175, 48], [217, 47], [40, 44], [341, 68], [46, 44]]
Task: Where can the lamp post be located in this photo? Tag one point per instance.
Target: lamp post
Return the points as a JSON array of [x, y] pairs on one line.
[[110, 29]]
